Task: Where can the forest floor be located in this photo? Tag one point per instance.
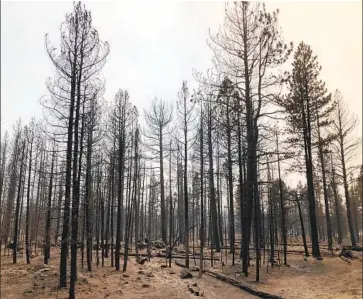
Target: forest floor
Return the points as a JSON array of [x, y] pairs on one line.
[[330, 278]]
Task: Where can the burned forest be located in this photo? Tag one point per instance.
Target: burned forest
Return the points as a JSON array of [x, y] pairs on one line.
[[245, 183]]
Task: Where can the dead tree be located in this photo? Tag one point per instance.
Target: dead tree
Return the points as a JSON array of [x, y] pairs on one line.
[[345, 146], [121, 110], [248, 47], [201, 232], [186, 113], [49, 207], [11, 192], [158, 117], [282, 205], [17, 208]]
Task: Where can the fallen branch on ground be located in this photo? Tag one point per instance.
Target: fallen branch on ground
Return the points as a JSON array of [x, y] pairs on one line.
[[162, 255], [241, 286]]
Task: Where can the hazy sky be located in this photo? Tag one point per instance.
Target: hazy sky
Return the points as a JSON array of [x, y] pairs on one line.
[[155, 45]]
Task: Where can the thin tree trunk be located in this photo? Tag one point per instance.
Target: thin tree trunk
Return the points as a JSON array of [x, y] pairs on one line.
[[214, 216], [170, 209], [16, 221], [27, 245], [283, 213], [47, 226]]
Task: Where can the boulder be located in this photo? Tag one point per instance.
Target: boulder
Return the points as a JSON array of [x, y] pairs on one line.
[[141, 260], [184, 274]]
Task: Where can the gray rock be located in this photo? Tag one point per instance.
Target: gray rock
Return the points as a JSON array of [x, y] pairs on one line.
[[184, 274], [38, 268]]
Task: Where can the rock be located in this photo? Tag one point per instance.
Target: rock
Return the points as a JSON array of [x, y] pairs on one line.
[[179, 249], [194, 289], [171, 271], [138, 278], [125, 275], [184, 274], [193, 269], [83, 280], [141, 260], [145, 285], [28, 291], [37, 268], [126, 282], [348, 254], [42, 271], [163, 266], [150, 274], [141, 272], [159, 244]]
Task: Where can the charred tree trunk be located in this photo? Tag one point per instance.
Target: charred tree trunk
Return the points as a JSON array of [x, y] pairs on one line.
[[213, 206], [201, 233], [27, 243], [302, 227], [47, 226], [17, 208], [283, 213]]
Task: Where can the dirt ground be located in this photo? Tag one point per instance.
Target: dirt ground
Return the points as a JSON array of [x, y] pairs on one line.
[[329, 278]]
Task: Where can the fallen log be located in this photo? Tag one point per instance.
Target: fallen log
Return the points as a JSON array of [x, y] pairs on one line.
[[162, 255], [288, 245], [353, 248], [241, 286]]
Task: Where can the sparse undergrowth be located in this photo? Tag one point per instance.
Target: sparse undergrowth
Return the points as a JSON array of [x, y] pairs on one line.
[[328, 278]]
